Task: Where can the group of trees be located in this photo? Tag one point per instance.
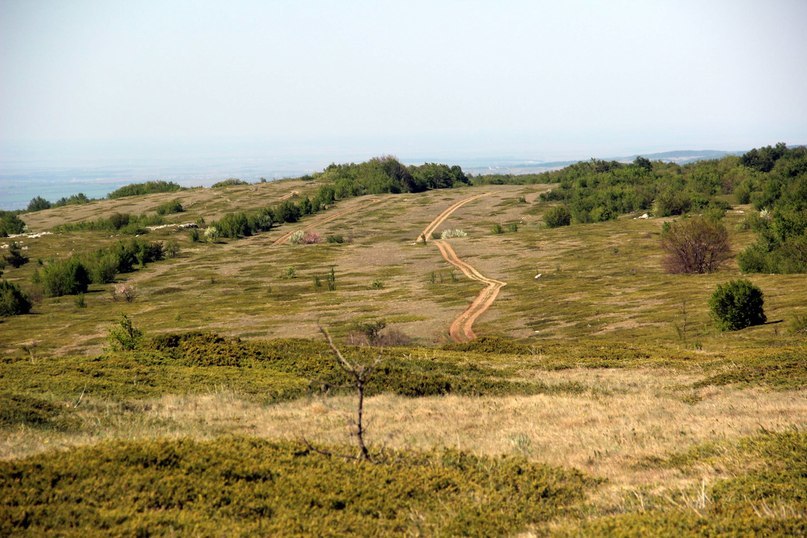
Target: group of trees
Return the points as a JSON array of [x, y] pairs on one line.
[[772, 178], [73, 275], [38, 203], [341, 181]]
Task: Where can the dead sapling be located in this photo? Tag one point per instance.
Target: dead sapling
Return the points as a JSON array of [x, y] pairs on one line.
[[360, 374]]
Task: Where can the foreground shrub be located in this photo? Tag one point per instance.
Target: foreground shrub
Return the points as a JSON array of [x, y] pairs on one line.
[[253, 487], [448, 234], [65, 277], [15, 257], [557, 216], [695, 245], [149, 187], [737, 305], [10, 224], [13, 301]]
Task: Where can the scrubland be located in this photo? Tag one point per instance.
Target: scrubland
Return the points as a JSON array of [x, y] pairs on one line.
[[599, 398]]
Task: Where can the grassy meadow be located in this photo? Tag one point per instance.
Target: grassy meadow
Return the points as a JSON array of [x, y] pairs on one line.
[[599, 398]]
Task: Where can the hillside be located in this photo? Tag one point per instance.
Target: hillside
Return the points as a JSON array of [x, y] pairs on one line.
[[531, 379]]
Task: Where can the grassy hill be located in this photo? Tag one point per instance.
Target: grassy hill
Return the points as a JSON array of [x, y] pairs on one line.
[[599, 398]]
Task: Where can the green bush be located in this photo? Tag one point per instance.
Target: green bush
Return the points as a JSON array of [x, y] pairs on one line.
[[253, 487], [15, 257], [737, 305], [230, 182], [65, 277], [124, 336], [149, 187], [557, 216], [174, 206], [10, 224], [13, 300]]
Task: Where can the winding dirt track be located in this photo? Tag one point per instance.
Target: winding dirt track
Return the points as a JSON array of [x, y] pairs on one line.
[[285, 237], [461, 329]]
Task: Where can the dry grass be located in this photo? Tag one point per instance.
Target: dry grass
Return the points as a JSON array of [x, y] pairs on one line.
[[625, 418]]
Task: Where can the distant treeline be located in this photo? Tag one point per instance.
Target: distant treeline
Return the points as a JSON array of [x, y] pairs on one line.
[[772, 178], [341, 181]]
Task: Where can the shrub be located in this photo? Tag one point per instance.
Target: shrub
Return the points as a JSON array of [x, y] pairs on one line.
[[66, 277], [312, 238], [448, 234], [798, 325], [557, 216], [171, 249], [15, 257], [13, 301], [124, 292], [297, 237], [696, 245], [512, 227], [124, 336], [737, 305], [230, 182], [497, 229], [174, 206], [10, 224], [336, 239]]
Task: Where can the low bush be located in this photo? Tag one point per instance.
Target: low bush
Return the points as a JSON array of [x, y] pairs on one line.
[[229, 182], [736, 305], [250, 486], [10, 224], [557, 216], [168, 208], [15, 257], [124, 336], [448, 234], [13, 301]]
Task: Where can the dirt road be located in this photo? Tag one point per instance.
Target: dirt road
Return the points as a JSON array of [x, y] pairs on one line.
[[461, 329]]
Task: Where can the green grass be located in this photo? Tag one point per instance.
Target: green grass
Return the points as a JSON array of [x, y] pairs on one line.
[[251, 486]]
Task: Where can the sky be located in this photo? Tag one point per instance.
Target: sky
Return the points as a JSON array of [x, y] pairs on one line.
[[538, 79]]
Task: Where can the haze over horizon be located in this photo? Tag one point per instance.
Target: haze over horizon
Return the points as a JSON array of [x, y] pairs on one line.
[[92, 81]]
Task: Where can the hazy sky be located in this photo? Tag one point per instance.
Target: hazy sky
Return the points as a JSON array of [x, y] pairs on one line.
[[547, 79]]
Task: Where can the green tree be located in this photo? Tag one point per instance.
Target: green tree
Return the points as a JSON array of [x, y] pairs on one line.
[[736, 305], [557, 216], [38, 204], [13, 301]]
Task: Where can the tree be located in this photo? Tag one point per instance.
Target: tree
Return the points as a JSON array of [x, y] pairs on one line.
[[737, 305], [360, 375], [15, 257], [10, 224], [695, 245], [13, 300], [38, 204]]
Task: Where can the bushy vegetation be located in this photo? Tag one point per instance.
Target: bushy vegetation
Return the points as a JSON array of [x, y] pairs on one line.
[[149, 187], [251, 486], [694, 245], [38, 203], [124, 336], [10, 224], [557, 216], [736, 305], [229, 182], [65, 277], [124, 223], [13, 301], [168, 208], [73, 275], [15, 258]]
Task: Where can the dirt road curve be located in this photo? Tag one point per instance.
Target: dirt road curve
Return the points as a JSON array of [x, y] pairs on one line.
[[285, 237], [427, 232], [461, 329]]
